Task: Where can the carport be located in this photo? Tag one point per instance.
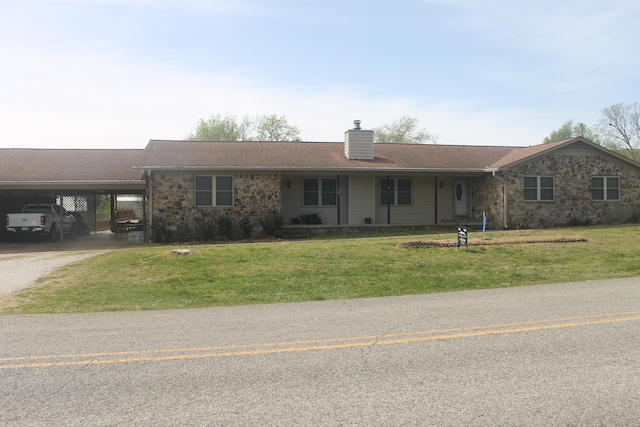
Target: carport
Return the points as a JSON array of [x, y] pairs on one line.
[[75, 178]]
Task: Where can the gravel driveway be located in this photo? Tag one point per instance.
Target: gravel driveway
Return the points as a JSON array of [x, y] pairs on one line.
[[22, 270], [22, 264]]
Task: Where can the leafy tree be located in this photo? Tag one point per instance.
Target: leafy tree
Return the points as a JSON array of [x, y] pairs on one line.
[[275, 128], [620, 128], [230, 128], [404, 130], [571, 129], [219, 128]]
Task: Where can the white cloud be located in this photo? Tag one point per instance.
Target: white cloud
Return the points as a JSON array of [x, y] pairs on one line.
[[235, 6], [88, 97], [82, 99], [575, 30]]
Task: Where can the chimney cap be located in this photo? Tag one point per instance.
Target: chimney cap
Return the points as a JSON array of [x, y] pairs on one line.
[[357, 124]]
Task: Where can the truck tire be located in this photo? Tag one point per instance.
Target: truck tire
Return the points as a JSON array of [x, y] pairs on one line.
[[53, 233], [74, 230]]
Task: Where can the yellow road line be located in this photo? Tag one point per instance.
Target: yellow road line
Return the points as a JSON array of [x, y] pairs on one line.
[[193, 353]]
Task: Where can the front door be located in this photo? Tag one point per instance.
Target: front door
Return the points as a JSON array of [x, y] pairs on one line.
[[460, 197]]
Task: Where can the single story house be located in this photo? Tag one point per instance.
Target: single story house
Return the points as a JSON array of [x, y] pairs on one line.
[[354, 183], [357, 182]]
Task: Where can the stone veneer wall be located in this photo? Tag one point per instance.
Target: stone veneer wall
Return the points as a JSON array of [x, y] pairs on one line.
[[572, 179], [487, 195], [173, 198]]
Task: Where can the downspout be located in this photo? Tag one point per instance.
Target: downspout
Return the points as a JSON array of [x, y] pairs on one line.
[[338, 185], [150, 212], [504, 200]]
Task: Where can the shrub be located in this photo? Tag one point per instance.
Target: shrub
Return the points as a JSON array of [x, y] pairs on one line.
[[574, 222], [577, 222], [207, 230], [161, 233], [224, 227], [272, 223], [183, 233], [313, 218], [246, 227]]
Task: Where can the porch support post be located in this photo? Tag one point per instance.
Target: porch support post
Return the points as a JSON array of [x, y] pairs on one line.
[[113, 212], [435, 186], [61, 216]]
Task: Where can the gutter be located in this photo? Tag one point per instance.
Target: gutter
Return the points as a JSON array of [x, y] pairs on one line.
[[58, 183], [311, 168]]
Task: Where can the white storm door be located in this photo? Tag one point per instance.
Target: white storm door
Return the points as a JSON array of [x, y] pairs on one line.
[[460, 197]]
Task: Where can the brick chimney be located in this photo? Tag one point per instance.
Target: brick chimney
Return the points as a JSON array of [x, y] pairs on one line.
[[358, 143]]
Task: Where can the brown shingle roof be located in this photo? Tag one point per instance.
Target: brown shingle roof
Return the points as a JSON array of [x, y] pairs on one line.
[[316, 155], [59, 166], [521, 154], [37, 165]]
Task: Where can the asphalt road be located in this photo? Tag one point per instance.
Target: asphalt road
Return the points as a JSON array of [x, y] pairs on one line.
[[551, 355]]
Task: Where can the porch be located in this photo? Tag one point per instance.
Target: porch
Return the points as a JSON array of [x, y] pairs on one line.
[[303, 231]]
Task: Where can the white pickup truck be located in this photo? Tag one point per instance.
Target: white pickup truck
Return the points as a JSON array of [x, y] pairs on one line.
[[45, 220]]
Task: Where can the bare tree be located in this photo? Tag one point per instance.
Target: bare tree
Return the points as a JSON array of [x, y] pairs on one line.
[[403, 131], [620, 128]]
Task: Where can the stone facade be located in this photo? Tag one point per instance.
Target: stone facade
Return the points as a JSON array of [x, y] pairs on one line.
[[487, 195], [256, 194], [572, 202], [173, 198]]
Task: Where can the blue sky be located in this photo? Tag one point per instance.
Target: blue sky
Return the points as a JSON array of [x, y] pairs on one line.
[[116, 73]]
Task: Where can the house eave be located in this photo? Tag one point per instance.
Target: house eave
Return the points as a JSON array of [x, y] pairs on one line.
[[307, 169], [565, 144], [81, 184]]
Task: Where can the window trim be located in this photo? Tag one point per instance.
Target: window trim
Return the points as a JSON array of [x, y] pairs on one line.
[[395, 191], [320, 193], [605, 188], [213, 191], [539, 188]]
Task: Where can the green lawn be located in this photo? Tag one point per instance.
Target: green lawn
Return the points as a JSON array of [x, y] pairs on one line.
[[257, 273]]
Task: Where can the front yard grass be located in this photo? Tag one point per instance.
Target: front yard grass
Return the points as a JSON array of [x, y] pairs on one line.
[[153, 278]]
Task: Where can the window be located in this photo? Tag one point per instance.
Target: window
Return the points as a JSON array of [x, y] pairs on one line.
[[538, 188], [320, 191], [224, 191], [396, 191], [605, 188], [214, 191]]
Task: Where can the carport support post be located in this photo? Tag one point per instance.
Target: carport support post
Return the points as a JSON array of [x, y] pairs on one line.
[[113, 213], [61, 225]]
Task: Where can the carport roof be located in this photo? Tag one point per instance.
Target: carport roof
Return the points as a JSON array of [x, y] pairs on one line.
[[70, 167]]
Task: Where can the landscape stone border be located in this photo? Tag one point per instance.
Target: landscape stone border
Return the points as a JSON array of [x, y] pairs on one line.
[[491, 242]]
